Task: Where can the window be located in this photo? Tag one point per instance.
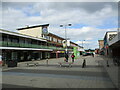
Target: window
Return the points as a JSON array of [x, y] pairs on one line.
[[4, 38], [15, 40], [21, 40], [28, 41], [54, 39], [50, 38], [59, 41]]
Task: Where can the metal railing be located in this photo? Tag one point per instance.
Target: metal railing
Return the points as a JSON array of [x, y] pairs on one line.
[[24, 45]]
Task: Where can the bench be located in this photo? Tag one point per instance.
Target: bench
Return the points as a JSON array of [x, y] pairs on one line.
[[65, 63], [32, 64]]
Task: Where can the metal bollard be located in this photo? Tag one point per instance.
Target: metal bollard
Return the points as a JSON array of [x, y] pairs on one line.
[[107, 64], [47, 62]]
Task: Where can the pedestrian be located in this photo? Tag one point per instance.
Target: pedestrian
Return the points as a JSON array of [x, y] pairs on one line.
[[93, 54], [84, 63], [66, 56], [73, 56]]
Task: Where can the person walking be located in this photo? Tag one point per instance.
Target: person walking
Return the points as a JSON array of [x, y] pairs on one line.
[[93, 54], [66, 57], [73, 56]]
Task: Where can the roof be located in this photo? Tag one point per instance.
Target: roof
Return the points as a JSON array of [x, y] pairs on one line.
[[20, 35], [55, 35], [32, 27]]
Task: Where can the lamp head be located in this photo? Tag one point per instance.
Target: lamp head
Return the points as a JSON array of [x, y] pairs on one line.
[[69, 24], [61, 25]]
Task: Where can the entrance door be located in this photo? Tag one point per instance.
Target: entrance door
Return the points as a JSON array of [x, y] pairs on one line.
[[43, 55]]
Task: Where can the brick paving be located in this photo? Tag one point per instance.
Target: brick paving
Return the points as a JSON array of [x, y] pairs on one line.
[[53, 76], [112, 70]]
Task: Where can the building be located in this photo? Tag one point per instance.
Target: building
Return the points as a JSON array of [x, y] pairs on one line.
[[114, 45], [41, 31], [38, 31], [25, 45], [101, 44], [107, 38], [112, 54], [20, 47], [57, 41], [101, 47]]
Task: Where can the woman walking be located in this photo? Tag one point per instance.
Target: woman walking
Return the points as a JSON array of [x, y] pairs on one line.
[[73, 56]]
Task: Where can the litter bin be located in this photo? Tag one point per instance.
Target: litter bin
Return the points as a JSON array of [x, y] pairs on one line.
[[12, 63]]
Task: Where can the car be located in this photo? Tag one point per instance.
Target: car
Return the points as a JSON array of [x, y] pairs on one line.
[[84, 54], [88, 53]]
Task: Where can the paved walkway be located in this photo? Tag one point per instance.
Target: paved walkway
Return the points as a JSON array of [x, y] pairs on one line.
[[53, 76], [112, 70]]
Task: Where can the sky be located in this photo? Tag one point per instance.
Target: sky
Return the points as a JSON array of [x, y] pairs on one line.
[[90, 20]]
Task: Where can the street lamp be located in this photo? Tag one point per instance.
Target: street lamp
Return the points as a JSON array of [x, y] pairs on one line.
[[82, 42], [82, 45], [66, 33]]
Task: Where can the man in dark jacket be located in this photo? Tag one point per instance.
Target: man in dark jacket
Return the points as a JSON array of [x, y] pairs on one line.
[[66, 56]]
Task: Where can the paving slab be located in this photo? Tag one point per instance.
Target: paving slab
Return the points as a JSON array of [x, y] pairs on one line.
[[52, 76]]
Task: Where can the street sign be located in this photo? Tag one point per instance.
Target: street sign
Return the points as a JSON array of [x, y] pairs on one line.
[[68, 42], [64, 43]]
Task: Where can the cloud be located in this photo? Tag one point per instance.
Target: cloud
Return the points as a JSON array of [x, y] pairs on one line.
[[60, 1], [86, 13], [84, 33], [82, 42], [0, 15], [90, 14], [89, 34]]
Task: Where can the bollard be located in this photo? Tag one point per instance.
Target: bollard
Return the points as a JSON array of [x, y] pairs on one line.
[[107, 64], [47, 62], [84, 63]]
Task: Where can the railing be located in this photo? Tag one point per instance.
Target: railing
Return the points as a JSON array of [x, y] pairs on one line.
[[24, 45]]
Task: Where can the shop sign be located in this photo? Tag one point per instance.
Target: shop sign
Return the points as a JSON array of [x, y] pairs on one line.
[[45, 30], [64, 43], [62, 51], [68, 42]]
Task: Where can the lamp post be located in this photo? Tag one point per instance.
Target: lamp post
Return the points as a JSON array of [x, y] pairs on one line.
[[82, 42], [118, 31], [66, 33]]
